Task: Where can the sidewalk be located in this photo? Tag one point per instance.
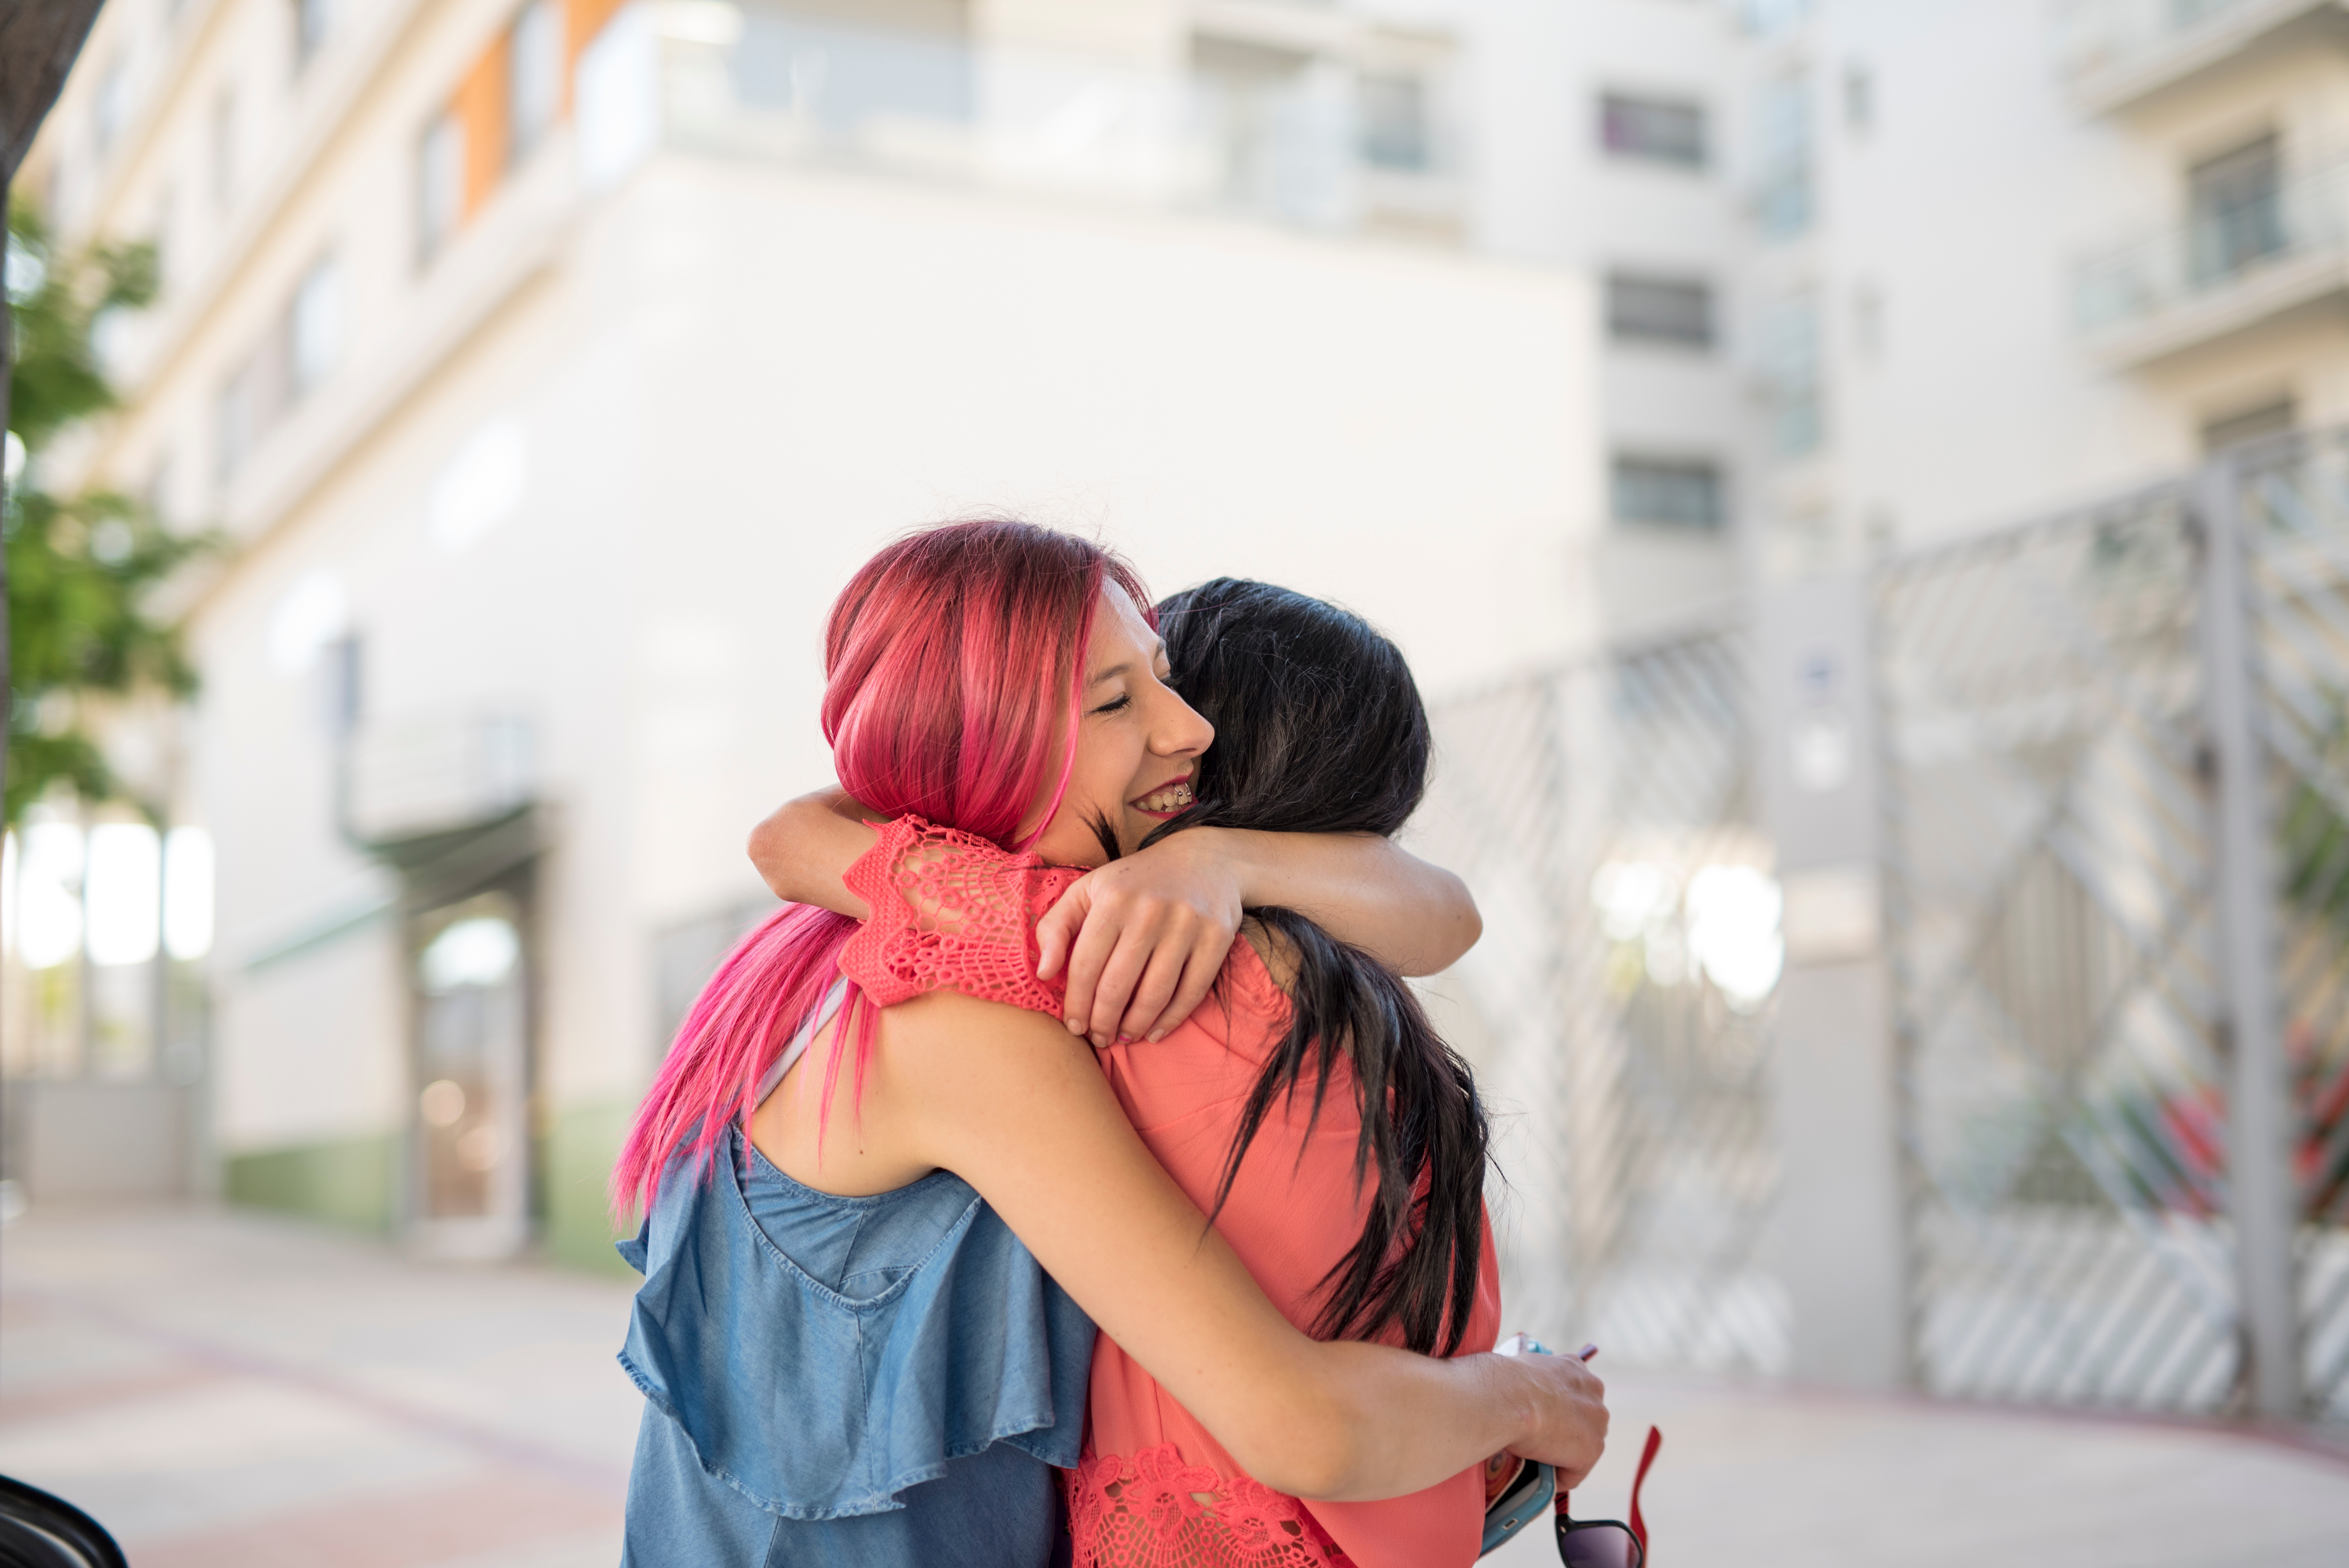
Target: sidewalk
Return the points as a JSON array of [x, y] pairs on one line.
[[225, 1391]]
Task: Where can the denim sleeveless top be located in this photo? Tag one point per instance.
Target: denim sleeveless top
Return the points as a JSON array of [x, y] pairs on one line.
[[823, 1355]]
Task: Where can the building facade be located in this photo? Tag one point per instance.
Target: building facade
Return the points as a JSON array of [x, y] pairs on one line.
[[550, 368], [550, 365]]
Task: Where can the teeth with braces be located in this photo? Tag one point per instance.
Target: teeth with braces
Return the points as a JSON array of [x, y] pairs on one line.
[[1174, 797]]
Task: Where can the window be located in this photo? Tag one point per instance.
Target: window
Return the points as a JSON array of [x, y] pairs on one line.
[[440, 183], [1769, 18], [1858, 99], [2250, 425], [1675, 311], [237, 418], [1789, 355], [112, 114], [163, 234], [224, 148], [1393, 123], [1782, 154], [2235, 207], [313, 20], [300, 349], [535, 77], [314, 327], [1653, 130], [1667, 492]]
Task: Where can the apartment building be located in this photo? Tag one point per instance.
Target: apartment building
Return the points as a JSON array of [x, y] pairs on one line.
[[2042, 252], [550, 364]]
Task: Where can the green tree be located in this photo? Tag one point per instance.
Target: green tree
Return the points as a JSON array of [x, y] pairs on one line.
[[80, 568]]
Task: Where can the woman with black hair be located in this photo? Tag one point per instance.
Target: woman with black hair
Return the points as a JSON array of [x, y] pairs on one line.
[[1308, 1107]]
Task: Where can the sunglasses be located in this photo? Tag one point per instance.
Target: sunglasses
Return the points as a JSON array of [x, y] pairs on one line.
[[1608, 1542]]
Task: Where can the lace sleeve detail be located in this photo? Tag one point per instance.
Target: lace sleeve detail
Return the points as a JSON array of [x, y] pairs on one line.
[[1153, 1510], [951, 911]]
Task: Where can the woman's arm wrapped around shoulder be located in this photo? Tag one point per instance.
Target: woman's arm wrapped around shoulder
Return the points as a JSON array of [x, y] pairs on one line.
[[1135, 945]]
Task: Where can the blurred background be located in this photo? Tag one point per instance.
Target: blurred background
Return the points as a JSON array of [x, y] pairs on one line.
[[1863, 483]]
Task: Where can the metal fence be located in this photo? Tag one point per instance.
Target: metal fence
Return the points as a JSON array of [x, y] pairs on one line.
[[2117, 893], [2114, 750], [2292, 499], [2049, 909], [1618, 1008]]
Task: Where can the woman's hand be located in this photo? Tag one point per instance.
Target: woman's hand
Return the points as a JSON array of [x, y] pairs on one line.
[[1566, 1415], [1143, 938]]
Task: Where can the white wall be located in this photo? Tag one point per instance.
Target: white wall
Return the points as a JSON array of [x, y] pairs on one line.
[[1544, 191], [836, 360]]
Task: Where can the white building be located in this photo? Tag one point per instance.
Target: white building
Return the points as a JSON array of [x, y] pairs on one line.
[[553, 366]]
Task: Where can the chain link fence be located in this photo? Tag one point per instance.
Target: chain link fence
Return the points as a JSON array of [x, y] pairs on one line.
[[1618, 1008]]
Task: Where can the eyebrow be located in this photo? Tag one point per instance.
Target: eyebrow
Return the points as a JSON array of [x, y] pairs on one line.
[[1118, 670]]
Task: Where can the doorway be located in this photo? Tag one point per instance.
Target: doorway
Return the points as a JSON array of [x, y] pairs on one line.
[[470, 1112]]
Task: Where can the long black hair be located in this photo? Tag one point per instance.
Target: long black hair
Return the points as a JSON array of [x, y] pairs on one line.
[[1319, 730]]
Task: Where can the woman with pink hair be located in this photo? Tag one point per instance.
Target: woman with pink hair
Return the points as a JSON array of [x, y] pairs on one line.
[[851, 1349]]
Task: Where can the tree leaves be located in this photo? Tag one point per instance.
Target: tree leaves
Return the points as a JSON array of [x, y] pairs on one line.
[[80, 568]]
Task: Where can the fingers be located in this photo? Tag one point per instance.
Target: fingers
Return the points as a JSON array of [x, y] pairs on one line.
[[1168, 964], [1199, 972], [1575, 1419], [1057, 932], [1127, 965], [1097, 940]]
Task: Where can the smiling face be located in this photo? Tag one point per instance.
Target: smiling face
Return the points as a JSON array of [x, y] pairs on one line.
[[1138, 744]]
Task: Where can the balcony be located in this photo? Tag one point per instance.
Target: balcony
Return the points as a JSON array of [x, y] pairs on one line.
[[2115, 53], [1307, 131], [2223, 271]]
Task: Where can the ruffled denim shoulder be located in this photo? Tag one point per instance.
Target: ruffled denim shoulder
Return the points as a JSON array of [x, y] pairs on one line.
[[823, 1353]]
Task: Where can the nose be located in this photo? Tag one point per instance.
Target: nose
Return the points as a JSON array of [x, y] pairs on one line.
[[1180, 730]]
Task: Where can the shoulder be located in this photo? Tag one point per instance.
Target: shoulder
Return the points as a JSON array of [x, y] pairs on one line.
[[948, 1029], [968, 1070], [1261, 969]]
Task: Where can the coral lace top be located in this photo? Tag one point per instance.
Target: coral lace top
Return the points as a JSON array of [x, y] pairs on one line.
[[1154, 1488]]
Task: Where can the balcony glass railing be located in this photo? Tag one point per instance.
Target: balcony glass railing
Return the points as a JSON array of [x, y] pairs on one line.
[[2225, 249], [2093, 36], [1287, 136]]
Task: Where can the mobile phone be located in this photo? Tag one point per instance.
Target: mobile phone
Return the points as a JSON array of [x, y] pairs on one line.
[[1527, 1498]]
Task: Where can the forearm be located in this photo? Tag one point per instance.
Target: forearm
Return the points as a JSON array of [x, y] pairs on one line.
[[1414, 917], [1392, 1422], [807, 845]]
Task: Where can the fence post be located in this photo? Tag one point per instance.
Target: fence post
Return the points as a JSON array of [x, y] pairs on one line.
[[1843, 1255], [2260, 1199]]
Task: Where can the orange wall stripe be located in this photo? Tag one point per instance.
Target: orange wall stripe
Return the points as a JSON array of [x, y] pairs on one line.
[[583, 19], [481, 108]]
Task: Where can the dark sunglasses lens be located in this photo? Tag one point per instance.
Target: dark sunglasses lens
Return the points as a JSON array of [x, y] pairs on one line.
[[1597, 1544]]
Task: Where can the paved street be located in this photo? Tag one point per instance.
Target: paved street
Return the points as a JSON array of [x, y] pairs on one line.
[[226, 1391]]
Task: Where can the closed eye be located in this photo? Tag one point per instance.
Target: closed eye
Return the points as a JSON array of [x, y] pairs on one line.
[[1116, 705]]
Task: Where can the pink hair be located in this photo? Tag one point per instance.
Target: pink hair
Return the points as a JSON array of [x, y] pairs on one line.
[[952, 660]]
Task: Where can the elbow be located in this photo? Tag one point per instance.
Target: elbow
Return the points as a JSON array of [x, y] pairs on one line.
[[1467, 925], [1319, 1451], [1449, 938], [765, 849]]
